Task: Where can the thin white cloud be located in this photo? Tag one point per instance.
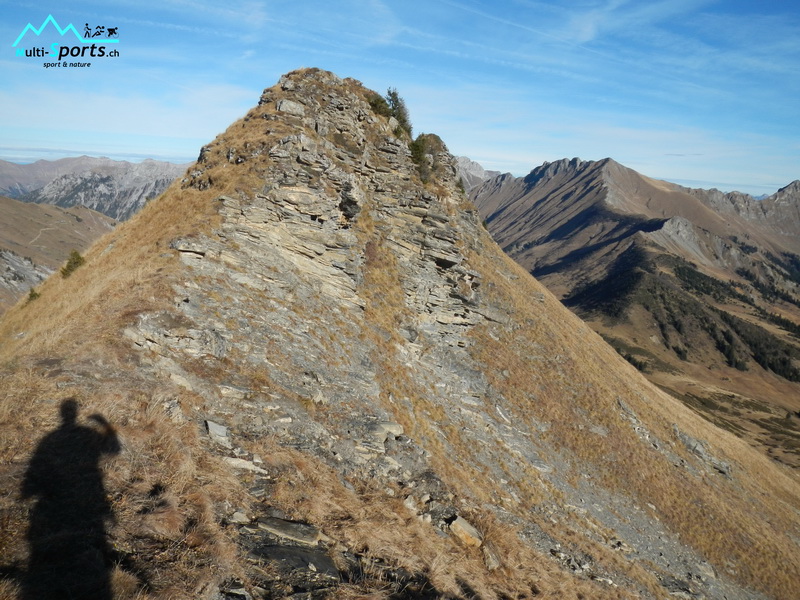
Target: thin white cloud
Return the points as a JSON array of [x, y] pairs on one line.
[[585, 26], [624, 16], [511, 83], [245, 13], [175, 26], [507, 22]]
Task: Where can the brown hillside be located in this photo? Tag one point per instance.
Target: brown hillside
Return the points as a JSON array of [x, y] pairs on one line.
[[301, 372], [35, 240]]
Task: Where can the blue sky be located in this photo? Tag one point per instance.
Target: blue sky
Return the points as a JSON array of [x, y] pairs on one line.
[[705, 93]]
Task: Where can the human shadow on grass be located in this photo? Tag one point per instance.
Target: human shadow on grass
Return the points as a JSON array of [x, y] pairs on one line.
[[70, 556]]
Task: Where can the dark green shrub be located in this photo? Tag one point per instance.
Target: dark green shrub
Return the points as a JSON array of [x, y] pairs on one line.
[[417, 148], [640, 364], [33, 295], [392, 105], [398, 110], [74, 261], [379, 105]]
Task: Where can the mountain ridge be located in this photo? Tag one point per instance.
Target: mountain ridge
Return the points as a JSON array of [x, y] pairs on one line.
[[17, 179], [316, 357], [115, 188], [629, 253], [472, 173]]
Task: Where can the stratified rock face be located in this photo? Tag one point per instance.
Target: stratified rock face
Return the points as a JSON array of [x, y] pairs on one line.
[[17, 276], [398, 408], [117, 189], [338, 229]]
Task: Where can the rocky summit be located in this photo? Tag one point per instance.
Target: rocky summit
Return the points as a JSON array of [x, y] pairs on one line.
[[306, 371]]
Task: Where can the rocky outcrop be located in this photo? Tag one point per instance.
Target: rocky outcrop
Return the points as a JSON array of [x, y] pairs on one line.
[[17, 276], [339, 238]]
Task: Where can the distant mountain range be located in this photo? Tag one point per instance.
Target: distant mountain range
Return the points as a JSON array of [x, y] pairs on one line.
[[697, 288], [89, 194], [472, 173], [115, 188]]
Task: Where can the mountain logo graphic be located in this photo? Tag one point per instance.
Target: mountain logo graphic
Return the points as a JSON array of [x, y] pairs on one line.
[[88, 37]]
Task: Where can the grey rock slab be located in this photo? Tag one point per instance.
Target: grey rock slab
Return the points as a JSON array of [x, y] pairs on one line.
[[245, 465], [239, 517], [311, 560], [302, 533], [291, 107], [700, 449], [491, 558], [466, 532], [218, 433], [382, 429]]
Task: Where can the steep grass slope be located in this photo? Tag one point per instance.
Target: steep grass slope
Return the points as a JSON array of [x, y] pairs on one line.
[[36, 240]]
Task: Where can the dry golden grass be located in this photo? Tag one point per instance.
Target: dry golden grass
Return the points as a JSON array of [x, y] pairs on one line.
[[714, 515], [161, 485]]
